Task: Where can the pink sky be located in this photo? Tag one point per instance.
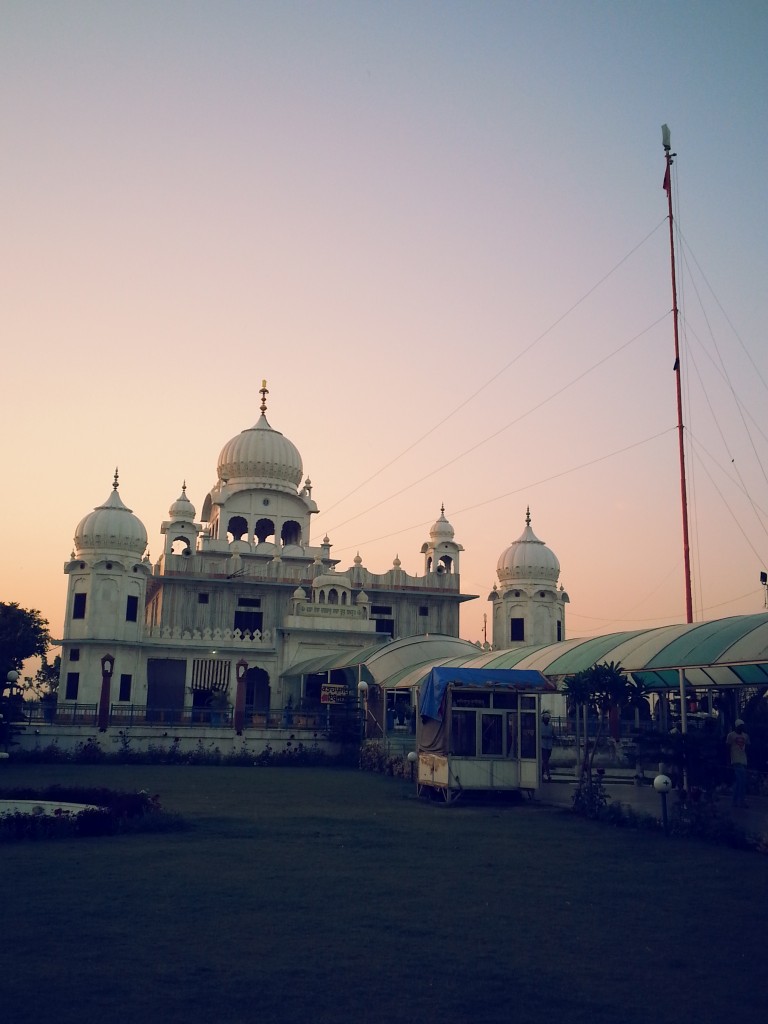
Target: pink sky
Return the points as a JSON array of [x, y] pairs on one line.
[[393, 213]]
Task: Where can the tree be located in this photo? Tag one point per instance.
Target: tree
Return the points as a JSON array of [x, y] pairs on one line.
[[23, 634], [604, 690], [44, 684]]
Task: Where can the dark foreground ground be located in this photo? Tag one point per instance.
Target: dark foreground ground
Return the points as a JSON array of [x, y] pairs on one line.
[[335, 896]]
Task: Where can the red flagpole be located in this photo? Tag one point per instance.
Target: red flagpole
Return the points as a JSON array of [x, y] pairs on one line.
[[678, 384]]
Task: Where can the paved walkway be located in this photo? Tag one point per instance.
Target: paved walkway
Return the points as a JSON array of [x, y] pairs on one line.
[[645, 800]]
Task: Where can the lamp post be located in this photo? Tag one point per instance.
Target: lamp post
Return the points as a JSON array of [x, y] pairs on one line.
[[362, 692], [663, 784], [241, 671], [6, 727], [107, 668]]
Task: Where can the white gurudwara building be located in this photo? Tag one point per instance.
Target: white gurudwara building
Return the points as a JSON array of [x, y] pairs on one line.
[[245, 623]]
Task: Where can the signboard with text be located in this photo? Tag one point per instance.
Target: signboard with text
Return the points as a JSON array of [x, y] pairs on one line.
[[333, 693]]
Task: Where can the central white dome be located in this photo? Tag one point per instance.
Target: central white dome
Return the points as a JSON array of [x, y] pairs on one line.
[[261, 457]]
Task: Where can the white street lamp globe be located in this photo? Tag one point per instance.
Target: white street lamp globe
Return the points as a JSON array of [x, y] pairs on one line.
[[662, 783], [412, 755]]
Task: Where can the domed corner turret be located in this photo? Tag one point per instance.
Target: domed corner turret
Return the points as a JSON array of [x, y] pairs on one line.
[[527, 559], [106, 590], [182, 510], [180, 529], [261, 457], [111, 529], [441, 552], [527, 606]]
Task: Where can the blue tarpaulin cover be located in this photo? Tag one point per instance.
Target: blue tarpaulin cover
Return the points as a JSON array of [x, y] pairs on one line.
[[432, 699]]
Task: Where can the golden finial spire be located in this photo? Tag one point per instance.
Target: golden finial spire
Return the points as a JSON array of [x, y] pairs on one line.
[[114, 482], [528, 516], [263, 392]]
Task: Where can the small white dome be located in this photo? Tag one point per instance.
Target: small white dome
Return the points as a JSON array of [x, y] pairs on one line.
[[441, 529], [182, 510], [111, 527], [528, 558]]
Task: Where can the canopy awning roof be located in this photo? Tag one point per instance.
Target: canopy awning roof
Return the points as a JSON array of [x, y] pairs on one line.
[[320, 663], [384, 660], [718, 653]]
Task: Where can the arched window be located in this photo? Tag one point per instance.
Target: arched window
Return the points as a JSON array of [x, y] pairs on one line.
[[265, 529], [333, 596], [237, 528], [290, 533]]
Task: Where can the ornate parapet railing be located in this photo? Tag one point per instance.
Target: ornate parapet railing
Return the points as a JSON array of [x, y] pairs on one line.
[[207, 637]]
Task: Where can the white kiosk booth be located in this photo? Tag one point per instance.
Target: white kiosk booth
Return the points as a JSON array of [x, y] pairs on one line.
[[478, 729]]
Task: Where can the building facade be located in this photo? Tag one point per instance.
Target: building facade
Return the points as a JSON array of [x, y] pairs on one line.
[[240, 603]]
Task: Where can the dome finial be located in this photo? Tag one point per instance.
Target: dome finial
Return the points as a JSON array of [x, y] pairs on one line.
[[263, 392], [442, 508], [114, 482], [528, 516]]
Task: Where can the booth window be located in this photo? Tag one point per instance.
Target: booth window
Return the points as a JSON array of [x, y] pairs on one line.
[[463, 739], [528, 727], [131, 608], [78, 606], [517, 629], [512, 736], [492, 736]]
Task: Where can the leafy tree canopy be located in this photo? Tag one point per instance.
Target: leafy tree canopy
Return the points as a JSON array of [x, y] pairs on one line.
[[45, 683], [23, 634]]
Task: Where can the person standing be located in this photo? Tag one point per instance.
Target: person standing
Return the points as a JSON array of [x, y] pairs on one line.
[[547, 744], [737, 742]]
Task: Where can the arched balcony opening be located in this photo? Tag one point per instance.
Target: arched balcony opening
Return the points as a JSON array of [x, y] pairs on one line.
[[237, 529], [290, 533], [264, 531]]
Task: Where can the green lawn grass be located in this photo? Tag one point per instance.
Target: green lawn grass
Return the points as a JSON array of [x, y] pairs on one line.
[[324, 895]]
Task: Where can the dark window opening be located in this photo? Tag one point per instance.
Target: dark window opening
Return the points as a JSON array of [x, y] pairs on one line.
[[517, 629], [202, 599], [125, 687], [251, 621], [423, 610], [290, 533], [249, 602], [385, 626], [237, 528], [265, 529], [74, 654], [131, 608], [73, 684], [78, 607], [559, 631], [380, 609]]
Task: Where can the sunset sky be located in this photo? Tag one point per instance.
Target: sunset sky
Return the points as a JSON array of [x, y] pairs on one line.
[[439, 231]]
